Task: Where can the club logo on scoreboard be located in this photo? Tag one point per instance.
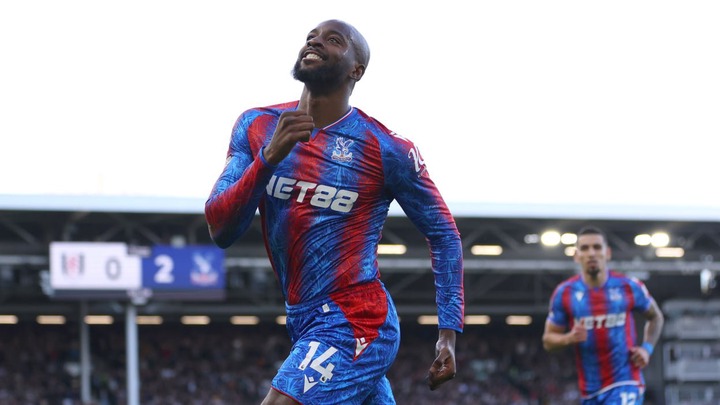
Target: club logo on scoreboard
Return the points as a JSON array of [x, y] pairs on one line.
[[202, 272], [73, 265]]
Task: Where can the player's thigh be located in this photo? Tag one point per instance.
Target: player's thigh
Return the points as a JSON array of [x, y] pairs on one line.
[[381, 396], [275, 398]]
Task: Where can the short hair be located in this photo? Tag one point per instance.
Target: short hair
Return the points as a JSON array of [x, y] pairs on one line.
[[592, 230]]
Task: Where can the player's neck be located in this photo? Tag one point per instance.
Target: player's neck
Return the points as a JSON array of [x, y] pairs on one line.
[[325, 108], [597, 281]]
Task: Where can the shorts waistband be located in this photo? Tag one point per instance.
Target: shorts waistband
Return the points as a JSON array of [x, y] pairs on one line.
[[313, 304]]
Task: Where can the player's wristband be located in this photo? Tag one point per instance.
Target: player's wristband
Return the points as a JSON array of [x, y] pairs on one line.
[[648, 347]]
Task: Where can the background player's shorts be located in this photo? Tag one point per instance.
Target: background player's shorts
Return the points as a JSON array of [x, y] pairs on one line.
[[342, 348], [621, 395]]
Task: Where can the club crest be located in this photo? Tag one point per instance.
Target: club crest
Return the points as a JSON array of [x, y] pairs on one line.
[[342, 150]]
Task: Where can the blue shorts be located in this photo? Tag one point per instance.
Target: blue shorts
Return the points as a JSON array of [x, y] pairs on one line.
[[620, 395], [342, 348]]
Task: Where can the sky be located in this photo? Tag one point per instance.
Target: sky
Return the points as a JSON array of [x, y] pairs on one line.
[[510, 102]]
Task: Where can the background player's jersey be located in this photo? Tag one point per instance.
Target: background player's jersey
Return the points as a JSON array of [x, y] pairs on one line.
[[603, 360], [323, 207]]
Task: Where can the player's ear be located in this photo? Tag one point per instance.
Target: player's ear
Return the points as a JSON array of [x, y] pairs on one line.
[[608, 253], [358, 72]]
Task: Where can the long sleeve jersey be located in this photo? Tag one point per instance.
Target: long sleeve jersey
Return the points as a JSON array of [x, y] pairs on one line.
[[323, 207]]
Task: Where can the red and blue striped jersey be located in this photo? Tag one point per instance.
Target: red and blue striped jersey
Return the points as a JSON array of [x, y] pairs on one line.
[[323, 207], [603, 360]]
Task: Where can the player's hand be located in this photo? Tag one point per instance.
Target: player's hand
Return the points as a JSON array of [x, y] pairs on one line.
[[293, 127], [577, 334], [639, 356], [443, 368]]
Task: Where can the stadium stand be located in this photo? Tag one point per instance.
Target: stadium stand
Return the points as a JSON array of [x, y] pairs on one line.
[[226, 364], [691, 353]]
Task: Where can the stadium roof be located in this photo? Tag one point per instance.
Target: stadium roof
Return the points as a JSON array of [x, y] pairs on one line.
[[180, 205]]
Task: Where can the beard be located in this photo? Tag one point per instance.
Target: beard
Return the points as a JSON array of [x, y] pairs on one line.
[[593, 272], [319, 78]]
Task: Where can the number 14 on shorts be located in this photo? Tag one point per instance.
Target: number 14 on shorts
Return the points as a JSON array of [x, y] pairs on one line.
[[316, 363]]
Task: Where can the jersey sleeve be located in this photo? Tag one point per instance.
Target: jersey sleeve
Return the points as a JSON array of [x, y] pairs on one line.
[[236, 194], [557, 313], [409, 183]]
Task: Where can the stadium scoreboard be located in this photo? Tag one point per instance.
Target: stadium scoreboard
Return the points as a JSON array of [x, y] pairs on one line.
[[115, 270]]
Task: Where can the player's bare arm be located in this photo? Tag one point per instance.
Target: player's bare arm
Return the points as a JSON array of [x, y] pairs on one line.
[[555, 337], [443, 368], [293, 127], [654, 321]]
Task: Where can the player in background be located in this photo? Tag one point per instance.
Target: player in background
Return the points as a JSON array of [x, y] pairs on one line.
[[323, 174], [593, 313]]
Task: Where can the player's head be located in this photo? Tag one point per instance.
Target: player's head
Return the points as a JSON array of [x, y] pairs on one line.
[[592, 251], [334, 54]]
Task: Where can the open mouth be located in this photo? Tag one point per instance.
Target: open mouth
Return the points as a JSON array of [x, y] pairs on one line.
[[312, 56]]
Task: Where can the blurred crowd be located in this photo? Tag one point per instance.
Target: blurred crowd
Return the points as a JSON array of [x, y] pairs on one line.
[[227, 364]]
